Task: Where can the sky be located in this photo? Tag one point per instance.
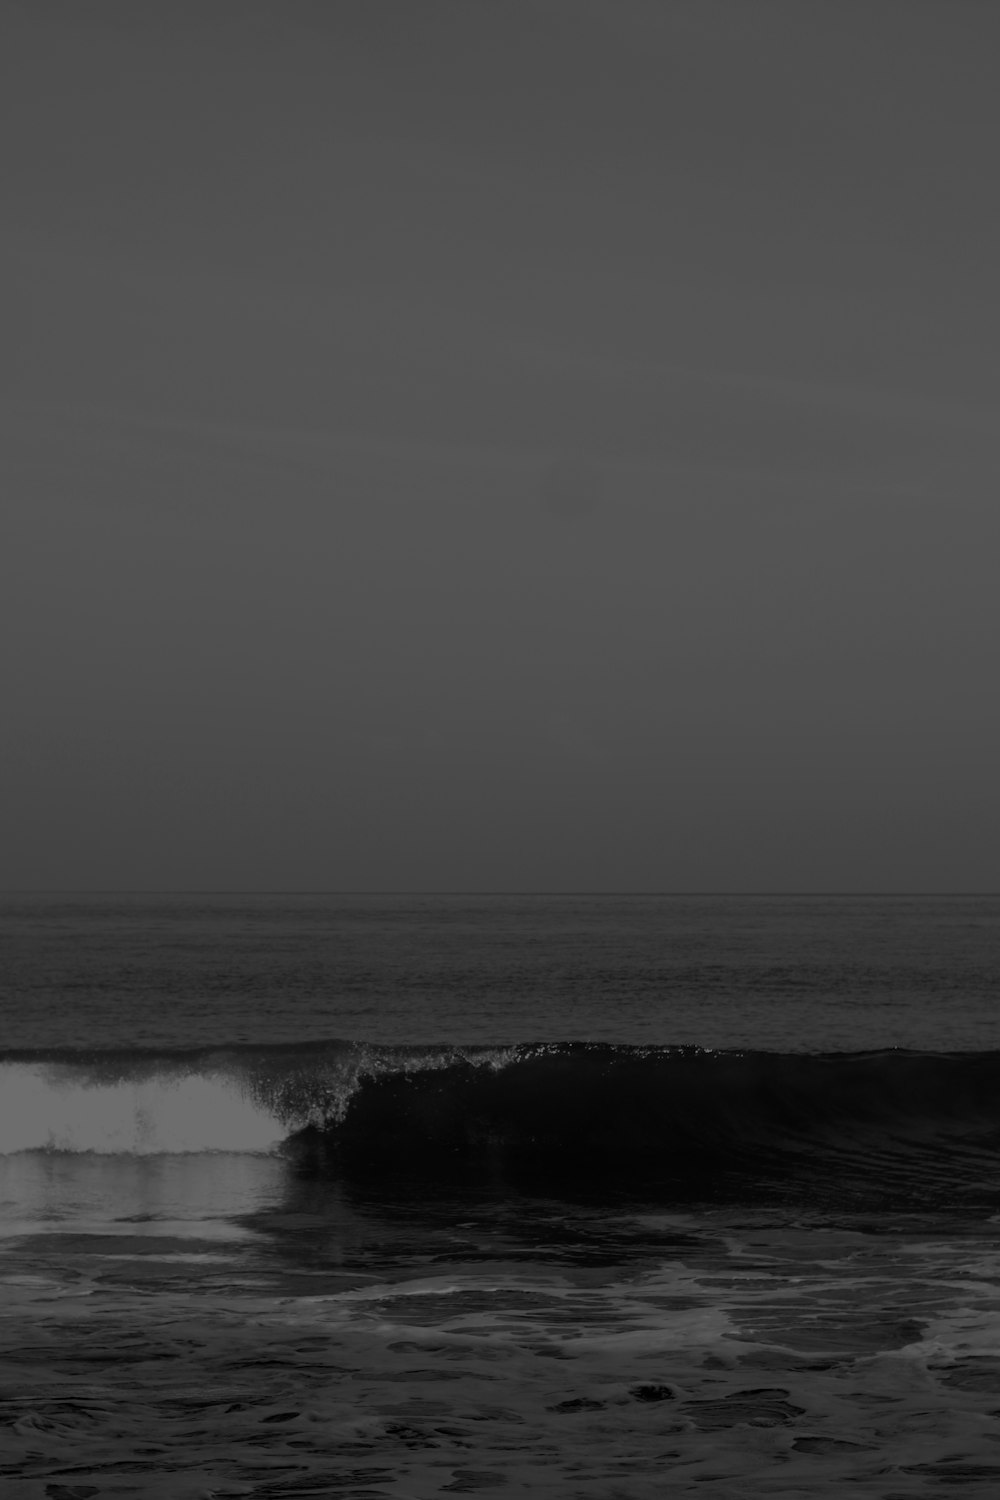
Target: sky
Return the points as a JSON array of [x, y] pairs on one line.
[[500, 445]]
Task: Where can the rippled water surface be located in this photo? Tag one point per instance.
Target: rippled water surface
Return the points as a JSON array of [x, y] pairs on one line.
[[785, 973]]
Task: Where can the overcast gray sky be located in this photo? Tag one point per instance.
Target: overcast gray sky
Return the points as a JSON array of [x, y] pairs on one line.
[[500, 444]]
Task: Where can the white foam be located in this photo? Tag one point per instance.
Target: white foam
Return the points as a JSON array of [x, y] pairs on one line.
[[41, 1109]]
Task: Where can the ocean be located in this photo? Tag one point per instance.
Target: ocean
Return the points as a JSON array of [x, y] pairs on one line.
[[579, 1196]]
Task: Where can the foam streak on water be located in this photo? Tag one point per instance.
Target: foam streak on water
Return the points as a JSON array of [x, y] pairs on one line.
[[704, 1354]]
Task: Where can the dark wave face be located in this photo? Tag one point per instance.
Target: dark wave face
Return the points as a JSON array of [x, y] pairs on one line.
[[683, 1123], [890, 1128]]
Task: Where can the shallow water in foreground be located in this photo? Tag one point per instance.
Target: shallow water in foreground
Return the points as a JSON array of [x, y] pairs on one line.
[[211, 1325]]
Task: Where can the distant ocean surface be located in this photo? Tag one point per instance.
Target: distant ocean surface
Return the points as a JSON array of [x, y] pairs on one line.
[[576, 1195], [798, 974]]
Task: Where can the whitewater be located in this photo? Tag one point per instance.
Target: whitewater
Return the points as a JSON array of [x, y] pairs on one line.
[[406, 1196]]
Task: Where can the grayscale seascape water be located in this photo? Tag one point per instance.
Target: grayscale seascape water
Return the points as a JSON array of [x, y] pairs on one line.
[[574, 1196]]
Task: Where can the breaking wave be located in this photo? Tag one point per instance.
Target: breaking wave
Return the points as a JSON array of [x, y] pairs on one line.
[[910, 1125], [241, 1099]]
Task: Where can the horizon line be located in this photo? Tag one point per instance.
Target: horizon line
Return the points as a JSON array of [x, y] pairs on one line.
[[449, 891]]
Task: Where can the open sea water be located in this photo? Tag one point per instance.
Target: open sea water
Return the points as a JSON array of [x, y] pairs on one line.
[[577, 1196]]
